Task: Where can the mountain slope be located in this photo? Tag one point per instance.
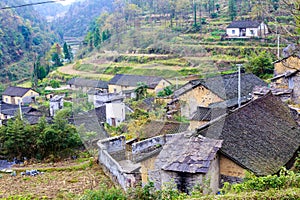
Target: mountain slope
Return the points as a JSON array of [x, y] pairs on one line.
[[76, 21], [23, 36]]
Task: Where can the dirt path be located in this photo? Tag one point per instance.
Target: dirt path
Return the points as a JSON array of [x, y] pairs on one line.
[[68, 69]]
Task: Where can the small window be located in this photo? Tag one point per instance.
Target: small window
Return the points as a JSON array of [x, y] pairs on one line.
[[233, 31], [251, 32], [115, 90], [6, 100]]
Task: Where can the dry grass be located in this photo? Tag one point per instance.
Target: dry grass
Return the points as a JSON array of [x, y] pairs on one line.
[[67, 182]]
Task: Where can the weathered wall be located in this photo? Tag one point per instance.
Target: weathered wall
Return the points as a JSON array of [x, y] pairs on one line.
[[288, 64], [147, 165], [196, 124], [146, 148], [115, 146], [108, 151], [213, 175], [229, 168], [161, 85], [199, 96]]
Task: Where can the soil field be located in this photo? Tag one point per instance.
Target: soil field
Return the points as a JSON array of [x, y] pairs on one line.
[[63, 180]]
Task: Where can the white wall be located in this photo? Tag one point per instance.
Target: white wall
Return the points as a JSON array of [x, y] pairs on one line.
[[229, 32], [116, 111]]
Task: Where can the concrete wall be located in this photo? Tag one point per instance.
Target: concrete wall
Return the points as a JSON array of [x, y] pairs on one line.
[[115, 146], [231, 34], [115, 111], [146, 148], [109, 150], [199, 96]]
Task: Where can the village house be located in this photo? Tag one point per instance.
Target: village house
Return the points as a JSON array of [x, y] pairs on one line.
[[98, 98], [19, 95], [287, 76], [88, 84], [125, 82], [8, 111], [247, 29], [260, 137], [205, 114], [56, 103], [188, 161], [203, 92]]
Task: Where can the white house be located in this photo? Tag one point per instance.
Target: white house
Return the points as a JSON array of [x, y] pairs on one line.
[[56, 103], [247, 29]]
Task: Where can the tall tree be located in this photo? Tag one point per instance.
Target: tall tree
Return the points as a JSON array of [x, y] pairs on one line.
[[232, 9], [66, 52], [97, 37]]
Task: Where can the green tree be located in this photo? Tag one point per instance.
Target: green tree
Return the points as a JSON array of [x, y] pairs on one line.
[[141, 90], [66, 52], [260, 64], [97, 37], [232, 9]]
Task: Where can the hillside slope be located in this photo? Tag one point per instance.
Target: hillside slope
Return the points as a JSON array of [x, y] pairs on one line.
[[24, 35]]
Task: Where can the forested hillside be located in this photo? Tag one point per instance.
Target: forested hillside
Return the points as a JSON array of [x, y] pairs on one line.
[[49, 10], [24, 36], [76, 21], [207, 20]]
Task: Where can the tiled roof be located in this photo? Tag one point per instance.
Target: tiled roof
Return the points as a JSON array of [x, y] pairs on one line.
[[224, 86], [155, 128], [244, 24], [191, 154], [261, 136], [215, 110], [88, 83], [12, 110], [133, 80], [15, 91]]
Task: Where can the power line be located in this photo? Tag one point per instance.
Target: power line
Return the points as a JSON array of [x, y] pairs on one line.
[[30, 4]]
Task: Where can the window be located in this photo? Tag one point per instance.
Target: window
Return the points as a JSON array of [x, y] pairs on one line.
[[6, 100], [115, 90], [251, 32], [233, 31]]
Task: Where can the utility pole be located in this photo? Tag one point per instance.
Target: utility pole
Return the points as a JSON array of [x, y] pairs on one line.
[[239, 85], [20, 108], [278, 41], [195, 14]]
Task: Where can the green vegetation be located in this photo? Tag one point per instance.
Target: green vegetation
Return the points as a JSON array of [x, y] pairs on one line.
[[20, 139]]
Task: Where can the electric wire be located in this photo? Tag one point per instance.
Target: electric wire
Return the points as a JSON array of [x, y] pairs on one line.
[[30, 4]]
